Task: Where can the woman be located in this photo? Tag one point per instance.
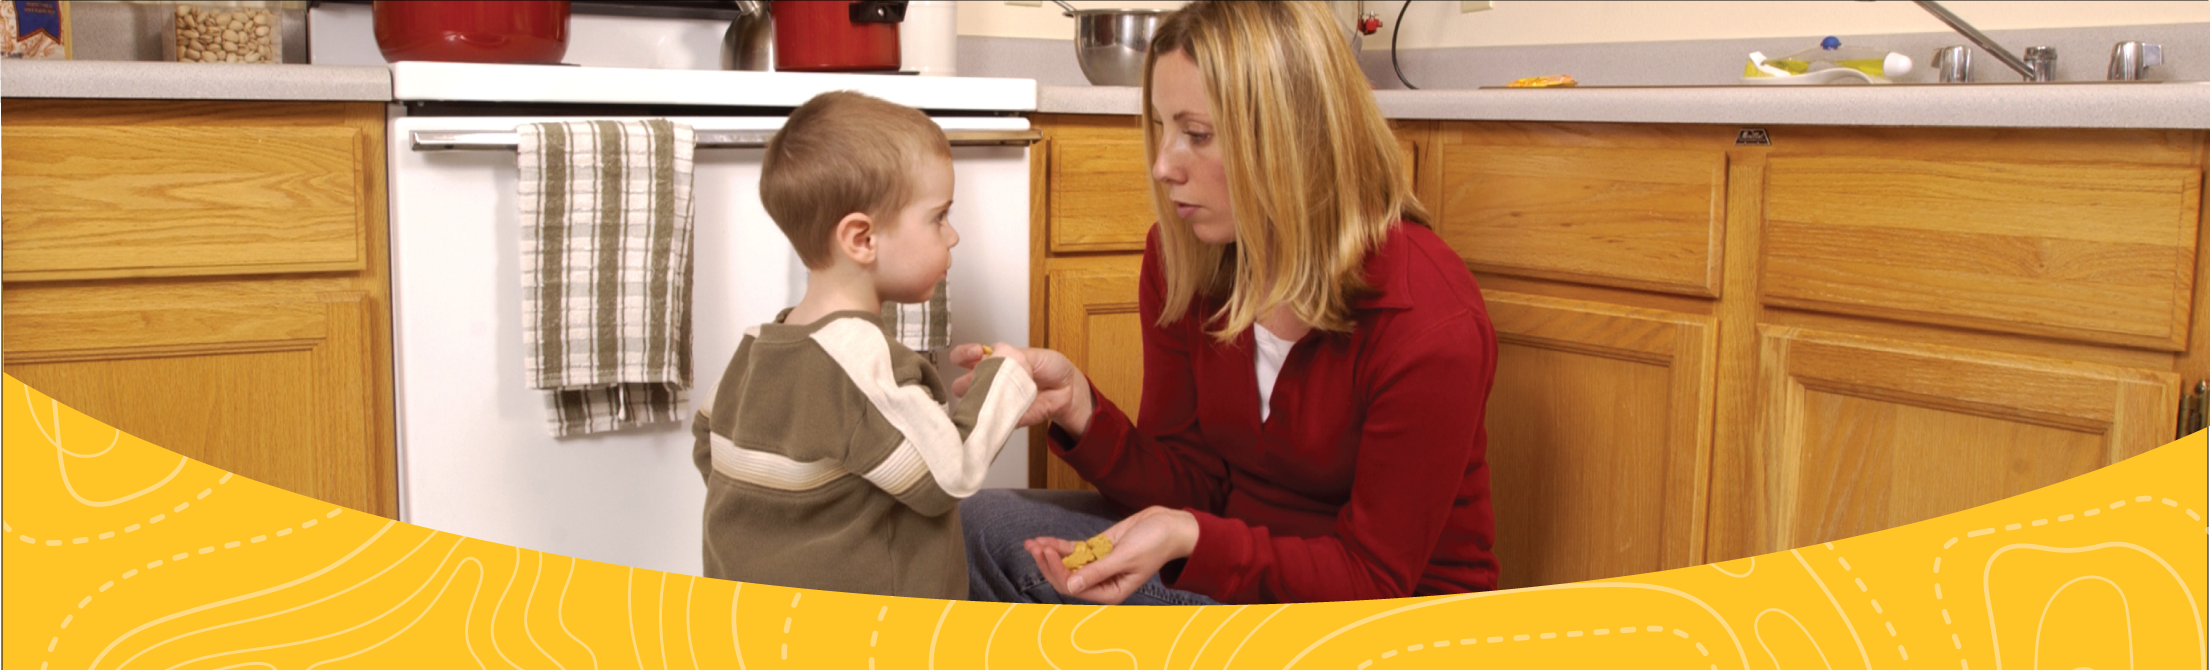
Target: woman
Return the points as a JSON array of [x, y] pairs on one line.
[[1316, 361]]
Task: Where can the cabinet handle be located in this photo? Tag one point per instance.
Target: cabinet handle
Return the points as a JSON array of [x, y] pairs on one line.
[[494, 140], [2194, 410]]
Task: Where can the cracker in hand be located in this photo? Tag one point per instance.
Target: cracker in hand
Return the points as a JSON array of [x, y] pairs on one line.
[[1088, 552]]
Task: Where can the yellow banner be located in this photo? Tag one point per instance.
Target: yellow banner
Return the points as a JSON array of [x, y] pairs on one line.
[[121, 554]]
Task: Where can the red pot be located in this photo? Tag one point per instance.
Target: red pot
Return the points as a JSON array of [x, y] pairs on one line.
[[470, 31], [836, 35]]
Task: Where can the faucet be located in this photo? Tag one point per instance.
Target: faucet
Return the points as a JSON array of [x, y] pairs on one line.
[[2129, 58], [2042, 69]]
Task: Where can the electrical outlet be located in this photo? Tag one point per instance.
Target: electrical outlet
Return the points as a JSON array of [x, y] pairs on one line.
[[1025, 3], [1471, 6]]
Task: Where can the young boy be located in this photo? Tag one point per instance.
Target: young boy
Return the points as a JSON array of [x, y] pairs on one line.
[[832, 460]]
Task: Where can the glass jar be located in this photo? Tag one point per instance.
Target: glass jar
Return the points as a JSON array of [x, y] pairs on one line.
[[219, 34]]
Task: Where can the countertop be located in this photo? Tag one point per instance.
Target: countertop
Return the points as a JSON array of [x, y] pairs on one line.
[[2062, 105], [192, 81], [2054, 105], [474, 82]]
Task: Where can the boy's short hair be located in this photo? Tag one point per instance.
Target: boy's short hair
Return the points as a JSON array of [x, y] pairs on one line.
[[843, 152]]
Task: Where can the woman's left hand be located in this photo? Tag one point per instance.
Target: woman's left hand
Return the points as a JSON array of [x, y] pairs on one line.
[[1142, 543], [1062, 393]]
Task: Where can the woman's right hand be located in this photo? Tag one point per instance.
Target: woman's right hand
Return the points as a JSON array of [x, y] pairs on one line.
[[1062, 392]]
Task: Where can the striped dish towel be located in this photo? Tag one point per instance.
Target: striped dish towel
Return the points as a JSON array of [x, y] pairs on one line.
[[923, 327], [606, 271]]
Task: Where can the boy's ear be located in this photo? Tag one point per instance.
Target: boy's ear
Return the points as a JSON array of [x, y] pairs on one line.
[[855, 238]]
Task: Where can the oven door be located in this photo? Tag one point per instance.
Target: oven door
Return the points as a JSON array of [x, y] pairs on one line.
[[475, 456]]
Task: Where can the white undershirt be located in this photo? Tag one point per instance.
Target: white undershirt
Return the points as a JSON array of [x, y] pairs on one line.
[[1271, 352]]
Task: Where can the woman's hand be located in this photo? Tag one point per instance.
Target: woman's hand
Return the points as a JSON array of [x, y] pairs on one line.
[[1062, 392], [1141, 543], [1008, 352]]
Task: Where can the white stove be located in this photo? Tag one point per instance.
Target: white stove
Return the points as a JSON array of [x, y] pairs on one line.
[[475, 456]]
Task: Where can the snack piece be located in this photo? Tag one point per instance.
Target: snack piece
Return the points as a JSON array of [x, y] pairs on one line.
[[1549, 81], [985, 351], [1088, 552]]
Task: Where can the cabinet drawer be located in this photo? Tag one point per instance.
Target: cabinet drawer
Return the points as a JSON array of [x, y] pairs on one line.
[[1099, 196], [124, 189], [1574, 203], [2058, 242], [1098, 187]]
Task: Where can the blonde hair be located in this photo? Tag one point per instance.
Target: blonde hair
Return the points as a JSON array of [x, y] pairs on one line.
[[843, 152], [1314, 174]]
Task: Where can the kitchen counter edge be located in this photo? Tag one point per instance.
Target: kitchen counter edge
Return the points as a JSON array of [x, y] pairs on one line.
[[138, 80], [2069, 105], [2166, 105]]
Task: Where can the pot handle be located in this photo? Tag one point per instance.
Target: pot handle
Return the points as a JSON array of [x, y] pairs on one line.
[[878, 11]]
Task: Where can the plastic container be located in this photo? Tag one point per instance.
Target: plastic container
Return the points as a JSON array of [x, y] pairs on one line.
[[219, 34], [1831, 54], [928, 39]]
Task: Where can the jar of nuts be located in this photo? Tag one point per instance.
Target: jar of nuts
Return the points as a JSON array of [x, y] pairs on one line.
[[215, 34]]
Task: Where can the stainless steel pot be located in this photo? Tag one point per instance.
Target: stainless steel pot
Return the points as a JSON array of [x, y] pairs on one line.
[[750, 42], [1110, 43]]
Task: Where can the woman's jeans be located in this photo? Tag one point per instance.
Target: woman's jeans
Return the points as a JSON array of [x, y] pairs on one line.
[[997, 521]]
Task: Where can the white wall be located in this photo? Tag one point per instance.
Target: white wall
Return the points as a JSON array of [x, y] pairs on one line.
[[1526, 22], [1516, 23]]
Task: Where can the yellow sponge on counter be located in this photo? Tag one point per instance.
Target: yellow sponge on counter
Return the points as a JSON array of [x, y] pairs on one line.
[[1546, 81]]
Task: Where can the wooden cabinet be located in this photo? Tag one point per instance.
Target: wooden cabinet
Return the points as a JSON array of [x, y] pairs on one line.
[[1944, 317], [1600, 250], [1710, 351], [1909, 322], [210, 277], [1089, 210]]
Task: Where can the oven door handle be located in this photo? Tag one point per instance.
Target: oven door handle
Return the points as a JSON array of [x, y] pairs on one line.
[[492, 140]]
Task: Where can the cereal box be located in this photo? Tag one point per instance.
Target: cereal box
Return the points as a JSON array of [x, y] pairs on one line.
[[36, 29]]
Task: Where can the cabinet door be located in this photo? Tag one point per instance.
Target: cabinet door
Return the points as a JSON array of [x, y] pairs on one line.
[[1861, 434], [273, 380], [1094, 322], [1599, 438], [1413, 138]]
